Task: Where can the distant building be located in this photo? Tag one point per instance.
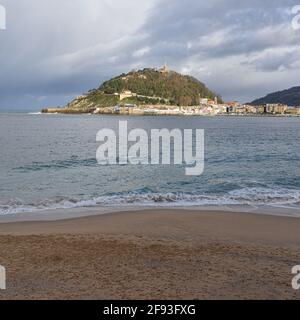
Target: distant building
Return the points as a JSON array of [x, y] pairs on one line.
[[230, 109], [276, 108], [241, 109], [232, 104], [250, 109], [293, 111], [260, 109], [127, 94], [203, 101], [142, 76], [165, 69], [220, 109], [80, 97]]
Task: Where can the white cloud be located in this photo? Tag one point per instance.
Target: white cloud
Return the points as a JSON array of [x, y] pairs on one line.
[[141, 52]]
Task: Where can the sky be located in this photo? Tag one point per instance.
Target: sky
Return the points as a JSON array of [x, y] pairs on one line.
[[54, 50]]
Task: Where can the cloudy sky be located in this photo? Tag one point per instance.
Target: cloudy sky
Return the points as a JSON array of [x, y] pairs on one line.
[[53, 50]]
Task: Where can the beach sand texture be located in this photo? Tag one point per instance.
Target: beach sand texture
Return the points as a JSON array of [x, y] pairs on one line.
[[152, 254]]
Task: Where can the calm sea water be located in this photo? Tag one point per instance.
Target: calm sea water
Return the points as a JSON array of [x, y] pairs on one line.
[[48, 162]]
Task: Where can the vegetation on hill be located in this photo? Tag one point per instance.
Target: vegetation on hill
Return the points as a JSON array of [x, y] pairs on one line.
[[151, 86], [290, 97], [172, 86]]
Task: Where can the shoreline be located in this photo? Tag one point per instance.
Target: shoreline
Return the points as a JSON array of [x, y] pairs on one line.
[[170, 115], [58, 214], [152, 254], [126, 220], [39, 113]]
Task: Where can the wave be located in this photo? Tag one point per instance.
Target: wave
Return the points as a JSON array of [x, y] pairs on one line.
[[244, 196]]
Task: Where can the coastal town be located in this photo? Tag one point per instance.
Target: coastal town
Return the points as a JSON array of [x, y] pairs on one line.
[[206, 107], [192, 98]]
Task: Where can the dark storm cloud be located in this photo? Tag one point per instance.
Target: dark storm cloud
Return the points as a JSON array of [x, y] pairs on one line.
[[222, 27], [249, 44], [53, 50]]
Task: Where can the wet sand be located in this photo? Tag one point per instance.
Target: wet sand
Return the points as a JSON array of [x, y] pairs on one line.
[[152, 254]]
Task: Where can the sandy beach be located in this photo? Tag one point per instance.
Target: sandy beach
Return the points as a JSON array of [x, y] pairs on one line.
[[152, 254]]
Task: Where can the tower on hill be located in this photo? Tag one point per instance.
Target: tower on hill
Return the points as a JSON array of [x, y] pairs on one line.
[[165, 69]]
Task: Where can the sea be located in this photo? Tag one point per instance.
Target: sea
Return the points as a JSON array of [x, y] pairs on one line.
[[48, 162]]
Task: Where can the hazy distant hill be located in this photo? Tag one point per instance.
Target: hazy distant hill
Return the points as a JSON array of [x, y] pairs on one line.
[[290, 97], [150, 86]]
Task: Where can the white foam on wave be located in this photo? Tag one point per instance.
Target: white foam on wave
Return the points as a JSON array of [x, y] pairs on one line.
[[262, 196], [279, 197]]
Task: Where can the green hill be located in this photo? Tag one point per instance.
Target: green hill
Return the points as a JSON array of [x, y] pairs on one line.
[[148, 86], [290, 97]]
